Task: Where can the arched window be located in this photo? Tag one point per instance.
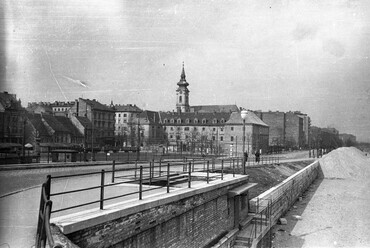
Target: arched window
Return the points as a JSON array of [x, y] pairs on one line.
[[172, 121], [180, 99], [179, 121], [165, 121], [187, 121], [214, 121], [196, 121], [204, 121], [222, 120]]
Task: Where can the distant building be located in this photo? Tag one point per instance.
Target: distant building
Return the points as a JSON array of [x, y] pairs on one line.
[[150, 129], [101, 117], [182, 93], [39, 107], [210, 128], [293, 130], [126, 121], [277, 125], [12, 119], [47, 133], [61, 108], [347, 139], [289, 130]]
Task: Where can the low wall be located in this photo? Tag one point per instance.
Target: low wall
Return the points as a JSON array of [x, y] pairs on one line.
[[280, 198], [195, 217]]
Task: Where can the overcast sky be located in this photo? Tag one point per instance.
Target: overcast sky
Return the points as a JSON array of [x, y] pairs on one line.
[[311, 56]]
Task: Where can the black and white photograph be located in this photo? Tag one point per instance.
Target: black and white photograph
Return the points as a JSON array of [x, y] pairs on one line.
[[184, 124]]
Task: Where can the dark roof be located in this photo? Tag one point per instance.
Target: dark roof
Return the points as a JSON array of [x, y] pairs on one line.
[[53, 122], [97, 105], [251, 118], [188, 118], [127, 108], [84, 121], [214, 108], [67, 123], [151, 117], [37, 123]]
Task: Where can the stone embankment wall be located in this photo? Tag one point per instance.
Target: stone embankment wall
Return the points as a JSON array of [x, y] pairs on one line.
[[191, 219], [281, 197]]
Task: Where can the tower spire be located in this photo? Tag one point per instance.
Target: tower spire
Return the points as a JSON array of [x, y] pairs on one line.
[[183, 77]]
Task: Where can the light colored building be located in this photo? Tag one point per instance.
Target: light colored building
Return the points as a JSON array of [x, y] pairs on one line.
[[101, 117], [126, 121]]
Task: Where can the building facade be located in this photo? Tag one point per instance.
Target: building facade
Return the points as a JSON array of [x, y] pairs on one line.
[[12, 119], [126, 122], [102, 120]]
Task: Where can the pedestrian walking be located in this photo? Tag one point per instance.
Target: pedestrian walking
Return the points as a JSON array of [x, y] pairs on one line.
[[257, 154], [245, 157]]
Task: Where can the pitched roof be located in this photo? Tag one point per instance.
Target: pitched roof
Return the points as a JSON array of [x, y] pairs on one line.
[[37, 123], [127, 108], [67, 123], [151, 117], [85, 122], [189, 118], [53, 122], [251, 118], [214, 108], [97, 105]]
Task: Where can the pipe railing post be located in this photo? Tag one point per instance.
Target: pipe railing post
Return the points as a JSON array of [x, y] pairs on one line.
[[48, 186], [160, 166], [102, 189], [168, 177], [189, 176], [222, 169], [113, 170], [141, 183], [135, 169], [233, 169], [150, 173], [207, 171], [153, 167]]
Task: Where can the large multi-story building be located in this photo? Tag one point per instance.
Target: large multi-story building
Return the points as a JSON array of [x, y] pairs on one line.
[[101, 118], [289, 130], [293, 130], [12, 119], [126, 122], [210, 128]]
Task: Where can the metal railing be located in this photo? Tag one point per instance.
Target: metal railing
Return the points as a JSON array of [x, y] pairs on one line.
[[43, 232], [159, 173]]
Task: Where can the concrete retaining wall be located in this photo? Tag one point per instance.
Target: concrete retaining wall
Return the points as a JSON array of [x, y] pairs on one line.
[[281, 197], [194, 217]]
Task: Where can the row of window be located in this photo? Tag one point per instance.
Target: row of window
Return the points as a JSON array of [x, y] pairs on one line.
[[187, 137], [213, 137], [194, 129], [195, 121], [98, 115], [61, 109]]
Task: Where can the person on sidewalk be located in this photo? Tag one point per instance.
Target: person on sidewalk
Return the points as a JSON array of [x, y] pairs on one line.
[[245, 158], [257, 154]]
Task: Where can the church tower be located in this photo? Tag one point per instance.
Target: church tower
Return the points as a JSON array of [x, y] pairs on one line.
[[182, 93]]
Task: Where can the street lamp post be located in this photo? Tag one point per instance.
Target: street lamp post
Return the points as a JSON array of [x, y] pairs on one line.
[[244, 114]]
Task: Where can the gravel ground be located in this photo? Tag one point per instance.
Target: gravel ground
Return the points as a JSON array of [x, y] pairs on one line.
[[334, 211]]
